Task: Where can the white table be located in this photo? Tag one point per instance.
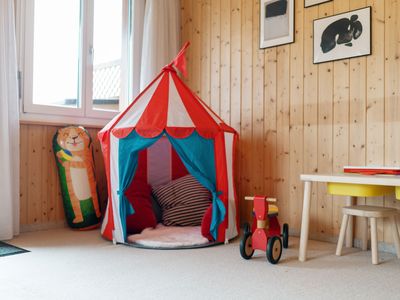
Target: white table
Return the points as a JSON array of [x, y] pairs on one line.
[[385, 180]]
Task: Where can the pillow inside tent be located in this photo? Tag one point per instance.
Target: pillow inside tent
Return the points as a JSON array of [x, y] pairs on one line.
[[183, 201], [139, 196]]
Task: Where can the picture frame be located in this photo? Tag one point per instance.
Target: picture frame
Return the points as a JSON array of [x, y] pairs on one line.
[[309, 3], [276, 22], [342, 36]]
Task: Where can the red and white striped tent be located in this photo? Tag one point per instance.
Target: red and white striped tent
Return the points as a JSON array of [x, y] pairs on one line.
[[164, 133]]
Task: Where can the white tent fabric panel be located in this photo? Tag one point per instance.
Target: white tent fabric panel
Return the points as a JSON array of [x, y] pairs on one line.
[[177, 113], [211, 113], [159, 162], [118, 236], [131, 118], [231, 232]]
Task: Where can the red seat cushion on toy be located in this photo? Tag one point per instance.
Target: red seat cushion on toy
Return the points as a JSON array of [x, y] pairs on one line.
[[206, 223], [139, 195]]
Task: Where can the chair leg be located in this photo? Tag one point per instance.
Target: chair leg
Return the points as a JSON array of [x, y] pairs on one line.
[[342, 235], [396, 237], [364, 237], [374, 241], [350, 200]]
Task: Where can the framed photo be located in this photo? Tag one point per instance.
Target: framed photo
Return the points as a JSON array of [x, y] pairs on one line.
[[276, 22], [308, 3], [342, 36]]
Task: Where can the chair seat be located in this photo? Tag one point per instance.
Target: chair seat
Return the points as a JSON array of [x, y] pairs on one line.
[[370, 211], [359, 190]]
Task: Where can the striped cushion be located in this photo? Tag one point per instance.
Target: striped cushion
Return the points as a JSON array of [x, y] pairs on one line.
[[183, 201]]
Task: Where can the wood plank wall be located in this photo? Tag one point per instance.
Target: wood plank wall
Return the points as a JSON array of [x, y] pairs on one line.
[[293, 116], [40, 194]]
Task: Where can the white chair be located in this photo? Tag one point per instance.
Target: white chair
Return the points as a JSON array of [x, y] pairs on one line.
[[372, 213]]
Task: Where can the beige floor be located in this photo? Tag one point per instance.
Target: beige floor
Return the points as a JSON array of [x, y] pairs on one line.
[[65, 264]]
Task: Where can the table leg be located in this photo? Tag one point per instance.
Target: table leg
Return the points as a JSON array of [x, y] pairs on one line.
[[350, 200], [305, 221]]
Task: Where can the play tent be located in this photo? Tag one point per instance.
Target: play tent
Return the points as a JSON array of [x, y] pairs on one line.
[[168, 119]]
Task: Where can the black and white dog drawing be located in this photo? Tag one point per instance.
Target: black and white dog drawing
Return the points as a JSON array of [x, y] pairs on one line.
[[342, 31]]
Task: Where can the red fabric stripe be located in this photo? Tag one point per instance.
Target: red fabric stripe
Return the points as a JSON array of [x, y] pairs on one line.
[[235, 141], [178, 169], [116, 120], [154, 118], [141, 171], [222, 180], [204, 123], [105, 146], [180, 132]]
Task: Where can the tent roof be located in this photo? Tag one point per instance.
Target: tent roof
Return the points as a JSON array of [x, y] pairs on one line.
[[167, 104]]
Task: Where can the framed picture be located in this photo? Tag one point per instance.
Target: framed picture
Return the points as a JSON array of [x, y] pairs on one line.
[[276, 22], [308, 3], [342, 36]]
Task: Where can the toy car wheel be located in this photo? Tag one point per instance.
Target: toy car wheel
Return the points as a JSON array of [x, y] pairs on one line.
[[246, 247], [274, 249], [285, 235], [246, 227]]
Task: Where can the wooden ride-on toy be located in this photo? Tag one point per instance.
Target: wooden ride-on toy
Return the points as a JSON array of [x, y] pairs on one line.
[[265, 234]]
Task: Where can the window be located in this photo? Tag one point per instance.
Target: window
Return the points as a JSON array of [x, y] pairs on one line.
[[74, 56]]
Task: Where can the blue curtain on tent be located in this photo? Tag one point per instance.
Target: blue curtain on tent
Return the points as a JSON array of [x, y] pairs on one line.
[[128, 153], [197, 154]]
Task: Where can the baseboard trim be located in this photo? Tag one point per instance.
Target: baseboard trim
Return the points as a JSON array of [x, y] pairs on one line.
[[43, 226], [382, 246]]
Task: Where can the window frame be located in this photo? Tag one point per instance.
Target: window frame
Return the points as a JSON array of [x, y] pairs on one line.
[[85, 114]]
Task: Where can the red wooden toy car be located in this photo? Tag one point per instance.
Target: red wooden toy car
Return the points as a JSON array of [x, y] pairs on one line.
[[266, 229]]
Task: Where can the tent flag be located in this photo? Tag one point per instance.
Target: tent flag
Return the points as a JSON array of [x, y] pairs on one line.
[[180, 60]]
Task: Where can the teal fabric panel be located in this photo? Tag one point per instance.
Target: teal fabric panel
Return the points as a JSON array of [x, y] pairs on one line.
[[197, 154], [128, 153]]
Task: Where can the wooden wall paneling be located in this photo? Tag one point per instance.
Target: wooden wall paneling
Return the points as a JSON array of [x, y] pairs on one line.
[[375, 110], [392, 95], [341, 106], [225, 52], [34, 174], [24, 179], [52, 176], [235, 87], [246, 104], [282, 130], [195, 39], [296, 121], [257, 144], [357, 133], [186, 35], [270, 112], [205, 55], [310, 110], [44, 168], [325, 116], [215, 55]]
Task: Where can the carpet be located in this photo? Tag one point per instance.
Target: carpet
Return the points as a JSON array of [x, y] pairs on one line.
[[7, 249]]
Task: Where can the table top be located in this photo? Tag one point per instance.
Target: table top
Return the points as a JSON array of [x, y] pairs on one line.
[[388, 180]]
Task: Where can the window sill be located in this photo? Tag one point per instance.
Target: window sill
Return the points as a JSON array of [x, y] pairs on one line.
[[55, 120]]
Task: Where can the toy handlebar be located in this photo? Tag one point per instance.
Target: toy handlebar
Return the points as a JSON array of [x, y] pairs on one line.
[[251, 198]]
